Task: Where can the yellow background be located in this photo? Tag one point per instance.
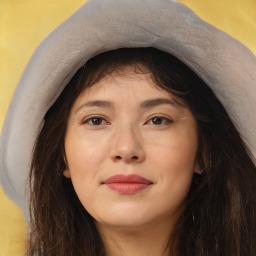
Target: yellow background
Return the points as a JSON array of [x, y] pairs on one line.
[[24, 24]]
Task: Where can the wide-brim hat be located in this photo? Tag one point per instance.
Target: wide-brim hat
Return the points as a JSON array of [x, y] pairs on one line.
[[226, 65]]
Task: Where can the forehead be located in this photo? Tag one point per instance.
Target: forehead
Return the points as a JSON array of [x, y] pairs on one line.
[[132, 83], [126, 87]]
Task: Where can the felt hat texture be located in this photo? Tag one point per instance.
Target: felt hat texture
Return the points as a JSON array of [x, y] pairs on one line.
[[226, 65]]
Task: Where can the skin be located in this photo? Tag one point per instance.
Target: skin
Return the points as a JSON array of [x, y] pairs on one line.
[[131, 134]]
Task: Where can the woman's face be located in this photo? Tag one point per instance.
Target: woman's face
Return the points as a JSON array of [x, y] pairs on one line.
[[131, 150]]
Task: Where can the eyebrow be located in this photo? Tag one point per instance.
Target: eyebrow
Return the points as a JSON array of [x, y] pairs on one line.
[[156, 102], [97, 103], [145, 104]]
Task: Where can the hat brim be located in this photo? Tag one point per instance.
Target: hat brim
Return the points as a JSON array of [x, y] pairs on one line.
[[226, 65]]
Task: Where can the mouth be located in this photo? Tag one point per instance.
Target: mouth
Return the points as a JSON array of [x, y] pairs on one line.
[[127, 184]]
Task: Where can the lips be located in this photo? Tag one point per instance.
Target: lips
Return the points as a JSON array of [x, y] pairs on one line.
[[127, 184]]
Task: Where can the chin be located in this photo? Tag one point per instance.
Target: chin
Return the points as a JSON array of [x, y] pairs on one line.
[[124, 224], [129, 221]]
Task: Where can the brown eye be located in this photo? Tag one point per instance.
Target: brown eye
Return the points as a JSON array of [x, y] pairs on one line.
[[159, 120], [95, 121]]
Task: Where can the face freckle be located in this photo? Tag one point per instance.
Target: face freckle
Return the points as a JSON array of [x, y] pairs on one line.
[[131, 148]]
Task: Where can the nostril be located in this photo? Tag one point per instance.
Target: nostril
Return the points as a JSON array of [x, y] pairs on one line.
[[132, 158]]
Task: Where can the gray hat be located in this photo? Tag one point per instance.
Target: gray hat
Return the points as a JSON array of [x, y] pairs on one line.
[[226, 65]]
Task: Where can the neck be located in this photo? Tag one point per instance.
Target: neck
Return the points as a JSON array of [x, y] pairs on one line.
[[150, 241]]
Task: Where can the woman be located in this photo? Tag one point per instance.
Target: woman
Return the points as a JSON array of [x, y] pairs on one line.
[[177, 179]]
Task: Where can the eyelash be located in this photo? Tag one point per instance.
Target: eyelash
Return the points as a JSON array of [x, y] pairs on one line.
[[90, 120], [166, 120]]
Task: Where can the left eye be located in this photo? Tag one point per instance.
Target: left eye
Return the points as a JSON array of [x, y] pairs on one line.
[[159, 120], [95, 120]]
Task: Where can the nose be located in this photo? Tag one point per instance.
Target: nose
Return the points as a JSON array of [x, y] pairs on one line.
[[127, 146]]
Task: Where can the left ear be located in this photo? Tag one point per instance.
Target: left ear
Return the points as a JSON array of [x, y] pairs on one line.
[[66, 173]]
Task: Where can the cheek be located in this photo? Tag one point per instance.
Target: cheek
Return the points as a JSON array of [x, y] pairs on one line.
[[86, 157], [82, 168], [83, 152], [176, 152], [174, 160], [176, 168], [79, 167]]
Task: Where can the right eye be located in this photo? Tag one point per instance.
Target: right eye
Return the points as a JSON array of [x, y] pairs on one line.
[[95, 121]]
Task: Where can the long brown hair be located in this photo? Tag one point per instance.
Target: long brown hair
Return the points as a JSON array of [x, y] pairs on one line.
[[220, 212]]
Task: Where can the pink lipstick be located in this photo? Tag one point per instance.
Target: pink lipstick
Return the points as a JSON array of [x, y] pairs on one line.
[[127, 184]]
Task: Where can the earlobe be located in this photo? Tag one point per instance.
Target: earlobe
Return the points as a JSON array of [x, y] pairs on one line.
[[197, 169], [66, 173]]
